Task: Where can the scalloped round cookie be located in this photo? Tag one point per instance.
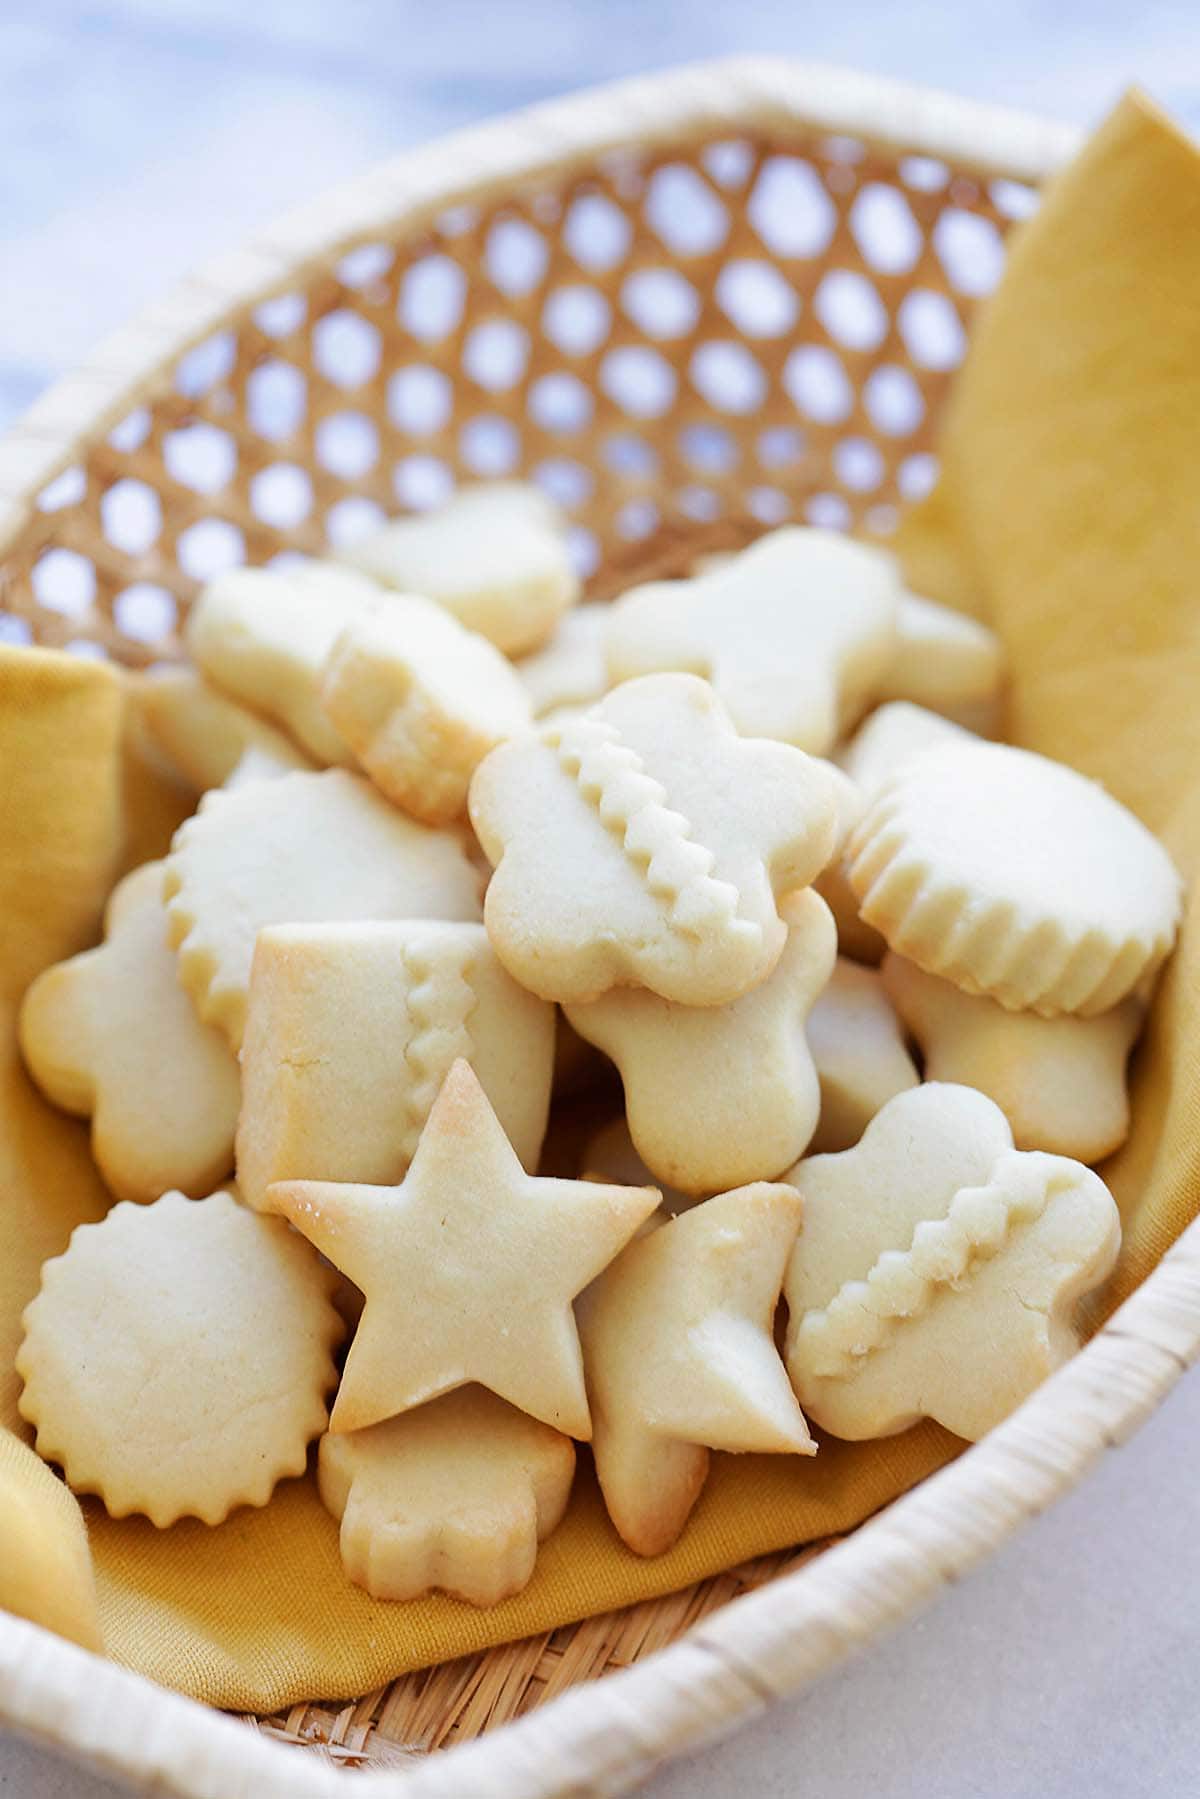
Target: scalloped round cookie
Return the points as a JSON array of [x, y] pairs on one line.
[[306, 849], [177, 1357], [1016, 877]]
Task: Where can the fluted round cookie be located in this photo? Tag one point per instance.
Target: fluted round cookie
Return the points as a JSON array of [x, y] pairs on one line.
[[938, 1269], [1015, 876], [647, 844], [454, 1495], [177, 1357], [305, 849], [111, 1035]]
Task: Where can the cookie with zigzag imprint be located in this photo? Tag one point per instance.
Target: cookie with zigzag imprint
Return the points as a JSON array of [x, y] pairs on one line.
[[938, 1269], [350, 1031], [646, 843]]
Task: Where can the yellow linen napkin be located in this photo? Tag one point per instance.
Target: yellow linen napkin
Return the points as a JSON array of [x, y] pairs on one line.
[[1066, 516]]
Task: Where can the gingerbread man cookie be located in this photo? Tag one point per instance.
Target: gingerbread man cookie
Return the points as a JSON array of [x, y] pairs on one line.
[[112, 1036], [718, 1096], [681, 1358], [1060, 1082], [455, 1495], [496, 556], [310, 848], [469, 1268], [794, 634], [351, 1030], [177, 1358], [263, 635], [420, 700], [938, 1268], [645, 843]]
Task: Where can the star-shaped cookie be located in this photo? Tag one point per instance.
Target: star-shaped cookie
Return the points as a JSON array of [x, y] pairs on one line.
[[681, 1358], [795, 633], [111, 1035], [469, 1268], [938, 1269], [646, 844], [717, 1096], [304, 849], [455, 1495]]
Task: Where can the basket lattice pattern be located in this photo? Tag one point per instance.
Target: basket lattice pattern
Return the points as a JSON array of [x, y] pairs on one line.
[[682, 349], [676, 349]]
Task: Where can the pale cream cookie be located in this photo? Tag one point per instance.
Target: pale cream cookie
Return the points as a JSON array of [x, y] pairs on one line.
[[455, 1495], [858, 1049], [647, 844], [420, 700], [177, 1357], [681, 1358], [794, 634], [717, 1096], [201, 733], [307, 849], [938, 1268], [1014, 876], [1060, 1082], [112, 1036], [609, 1155], [891, 736], [351, 1030], [263, 636], [942, 659], [496, 556], [571, 670], [469, 1268]]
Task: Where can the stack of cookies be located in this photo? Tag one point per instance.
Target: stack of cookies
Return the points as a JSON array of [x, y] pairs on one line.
[[466, 848]]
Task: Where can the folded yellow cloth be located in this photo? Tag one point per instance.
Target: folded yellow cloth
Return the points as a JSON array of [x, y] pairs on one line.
[[1066, 515]]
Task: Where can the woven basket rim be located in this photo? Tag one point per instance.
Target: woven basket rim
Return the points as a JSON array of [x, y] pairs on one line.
[[603, 1736]]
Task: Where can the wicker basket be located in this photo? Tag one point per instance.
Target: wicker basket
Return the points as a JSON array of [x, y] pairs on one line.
[[691, 305]]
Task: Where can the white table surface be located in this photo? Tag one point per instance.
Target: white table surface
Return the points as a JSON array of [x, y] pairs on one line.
[[137, 138]]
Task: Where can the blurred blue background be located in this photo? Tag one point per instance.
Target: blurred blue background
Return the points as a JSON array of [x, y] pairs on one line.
[[137, 138]]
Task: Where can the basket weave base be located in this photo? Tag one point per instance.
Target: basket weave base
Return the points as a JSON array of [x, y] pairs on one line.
[[434, 1707]]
